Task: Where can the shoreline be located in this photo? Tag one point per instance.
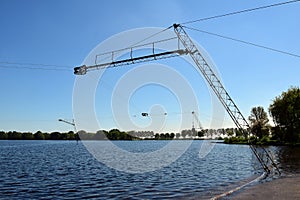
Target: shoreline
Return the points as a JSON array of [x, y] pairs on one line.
[[287, 187]]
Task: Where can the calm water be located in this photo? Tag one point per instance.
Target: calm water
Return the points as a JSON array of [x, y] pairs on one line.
[[66, 170]]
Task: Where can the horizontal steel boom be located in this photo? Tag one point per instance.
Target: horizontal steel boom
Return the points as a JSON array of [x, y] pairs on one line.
[[83, 69]]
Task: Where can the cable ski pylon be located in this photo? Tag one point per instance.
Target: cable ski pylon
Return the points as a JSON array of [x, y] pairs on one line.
[[262, 155], [267, 163]]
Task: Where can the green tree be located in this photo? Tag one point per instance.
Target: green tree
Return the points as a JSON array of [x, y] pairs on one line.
[[71, 135], [259, 122], [162, 136], [27, 136], [3, 135], [172, 135], [46, 136], [55, 136], [113, 134], [167, 136], [14, 135], [229, 132], [39, 135], [64, 136], [156, 136], [285, 111], [238, 133], [184, 133], [83, 135], [200, 133], [100, 135]]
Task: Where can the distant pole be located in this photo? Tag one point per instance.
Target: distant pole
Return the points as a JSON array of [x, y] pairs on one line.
[[71, 123]]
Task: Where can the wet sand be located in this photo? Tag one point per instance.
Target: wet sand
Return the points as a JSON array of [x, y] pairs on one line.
[[281, 189]]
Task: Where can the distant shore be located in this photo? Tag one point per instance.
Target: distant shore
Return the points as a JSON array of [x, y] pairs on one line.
[[278, 189]]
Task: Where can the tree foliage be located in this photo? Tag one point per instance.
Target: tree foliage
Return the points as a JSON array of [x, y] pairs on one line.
[[259, 121], [3, 135], [27, 136], [285, 111], [39, 135]]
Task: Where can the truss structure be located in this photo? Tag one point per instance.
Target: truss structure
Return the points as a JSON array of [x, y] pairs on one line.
[[262, 155]]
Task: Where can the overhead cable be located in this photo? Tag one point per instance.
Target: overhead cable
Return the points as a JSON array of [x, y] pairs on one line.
[[33, 68], [241, 11], [36, 64], [244, 42]]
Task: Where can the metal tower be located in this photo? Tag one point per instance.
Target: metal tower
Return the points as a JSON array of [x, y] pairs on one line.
[[191, 49]]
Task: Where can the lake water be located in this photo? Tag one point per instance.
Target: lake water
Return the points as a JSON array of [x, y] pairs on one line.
[[66, 170]]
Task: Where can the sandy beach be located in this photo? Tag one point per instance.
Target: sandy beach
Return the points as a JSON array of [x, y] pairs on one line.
[[282, 188]]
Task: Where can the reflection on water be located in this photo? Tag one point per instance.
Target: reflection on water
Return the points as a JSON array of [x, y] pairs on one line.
[[66, 170], [289, 159]]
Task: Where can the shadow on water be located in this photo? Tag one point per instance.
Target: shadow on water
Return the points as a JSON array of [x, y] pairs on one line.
[[289, 159]]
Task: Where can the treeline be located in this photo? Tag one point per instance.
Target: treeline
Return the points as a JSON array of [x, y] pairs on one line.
[[116, 134], [15, 135], [113, 134], [285, 112]]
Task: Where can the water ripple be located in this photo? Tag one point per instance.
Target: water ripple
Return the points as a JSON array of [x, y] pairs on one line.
[[66, 170]]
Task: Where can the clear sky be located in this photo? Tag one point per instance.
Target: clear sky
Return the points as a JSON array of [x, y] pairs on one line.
[[63, 32]]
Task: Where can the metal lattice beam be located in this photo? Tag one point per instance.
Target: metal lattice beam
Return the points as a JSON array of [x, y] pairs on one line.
[[222, 95], [133, 60], [212, 79]]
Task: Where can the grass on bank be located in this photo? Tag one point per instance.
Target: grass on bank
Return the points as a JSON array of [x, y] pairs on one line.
[[266, 140]]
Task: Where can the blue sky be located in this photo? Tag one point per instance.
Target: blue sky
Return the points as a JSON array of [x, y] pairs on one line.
[[61, 32]]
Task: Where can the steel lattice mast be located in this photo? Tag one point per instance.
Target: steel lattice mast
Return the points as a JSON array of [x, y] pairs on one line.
[[211, 78], [222, 94]]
